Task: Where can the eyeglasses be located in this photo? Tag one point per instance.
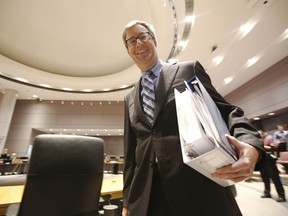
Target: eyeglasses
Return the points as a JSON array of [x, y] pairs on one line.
[[142, 37]]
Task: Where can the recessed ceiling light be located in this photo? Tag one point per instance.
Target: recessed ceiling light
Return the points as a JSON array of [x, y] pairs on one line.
[[256, 118], [217, 60], [284, 35], [67, 89], [246, 28], [252, 61], [45, 85], [183, 44], [189, 19], [228, 80], [21, 79], [270, 114], [87, 90]]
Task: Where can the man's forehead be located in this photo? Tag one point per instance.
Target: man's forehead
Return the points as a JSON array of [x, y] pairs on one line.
[[135, 29]]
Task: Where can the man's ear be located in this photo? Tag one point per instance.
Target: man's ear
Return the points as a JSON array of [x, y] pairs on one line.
[[155, 42]]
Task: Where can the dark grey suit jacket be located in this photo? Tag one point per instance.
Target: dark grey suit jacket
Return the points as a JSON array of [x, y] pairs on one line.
[[188, 192]]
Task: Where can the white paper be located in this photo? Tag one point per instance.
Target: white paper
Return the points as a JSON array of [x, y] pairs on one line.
[[202, 132]]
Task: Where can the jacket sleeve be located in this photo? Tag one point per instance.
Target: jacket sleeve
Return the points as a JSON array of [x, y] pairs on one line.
[[238, 125]]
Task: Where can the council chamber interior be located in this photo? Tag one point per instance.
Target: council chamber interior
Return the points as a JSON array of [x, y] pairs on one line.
[[65, 71]]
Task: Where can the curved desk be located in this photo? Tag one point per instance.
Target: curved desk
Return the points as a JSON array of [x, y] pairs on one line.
[[13, 194]]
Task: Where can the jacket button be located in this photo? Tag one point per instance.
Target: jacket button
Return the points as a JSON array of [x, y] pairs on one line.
[[151, 163], [154, 131]]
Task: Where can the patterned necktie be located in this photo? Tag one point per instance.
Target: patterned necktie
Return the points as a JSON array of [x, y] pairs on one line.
[[148, 95]]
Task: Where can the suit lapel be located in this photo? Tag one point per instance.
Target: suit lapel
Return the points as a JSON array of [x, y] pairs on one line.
[[137, 102], [164, 84]]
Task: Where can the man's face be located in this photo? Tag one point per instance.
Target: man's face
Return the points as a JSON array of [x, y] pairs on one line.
[[144, 52]]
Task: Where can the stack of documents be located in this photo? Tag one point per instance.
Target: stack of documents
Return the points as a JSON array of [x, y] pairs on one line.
[[202, 131]]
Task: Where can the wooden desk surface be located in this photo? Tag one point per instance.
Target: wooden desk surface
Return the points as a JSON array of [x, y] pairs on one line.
[[13, 194]]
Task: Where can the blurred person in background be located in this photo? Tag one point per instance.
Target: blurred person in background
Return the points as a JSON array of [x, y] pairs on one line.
[[270, 170], [280, 139]]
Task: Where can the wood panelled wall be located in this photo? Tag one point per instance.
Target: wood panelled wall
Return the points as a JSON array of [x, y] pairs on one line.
[[30, 115], [266, 93]]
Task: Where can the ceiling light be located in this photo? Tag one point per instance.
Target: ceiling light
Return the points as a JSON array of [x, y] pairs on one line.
[[217, 60], [256, 118], [252, 61], [270, 114], [246, 28], [45, 85], [21, 79], [67, 89], [87, 90], [35, 96], [228, 80], [189, 19], [182, 44], [284, 35]]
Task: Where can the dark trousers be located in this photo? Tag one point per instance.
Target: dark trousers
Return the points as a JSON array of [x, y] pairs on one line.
[[281, 148], [158, 204], [270, 171]]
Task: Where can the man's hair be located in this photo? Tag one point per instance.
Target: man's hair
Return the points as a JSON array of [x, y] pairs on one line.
[[133, 23]]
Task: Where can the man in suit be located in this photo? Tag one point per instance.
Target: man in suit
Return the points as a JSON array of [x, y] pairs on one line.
[[156, 181]]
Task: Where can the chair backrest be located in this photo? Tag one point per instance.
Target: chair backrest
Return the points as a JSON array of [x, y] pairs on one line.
[[64, 177]]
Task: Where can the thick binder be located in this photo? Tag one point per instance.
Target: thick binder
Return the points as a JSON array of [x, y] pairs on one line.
[[202, 131]]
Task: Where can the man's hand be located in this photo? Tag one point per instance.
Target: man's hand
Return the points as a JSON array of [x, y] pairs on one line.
[[244, 167]]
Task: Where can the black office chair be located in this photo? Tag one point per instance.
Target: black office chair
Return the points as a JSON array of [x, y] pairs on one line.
[[64, 177]]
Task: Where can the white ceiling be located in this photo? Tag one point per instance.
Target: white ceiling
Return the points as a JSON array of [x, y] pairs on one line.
[[77, 44]]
